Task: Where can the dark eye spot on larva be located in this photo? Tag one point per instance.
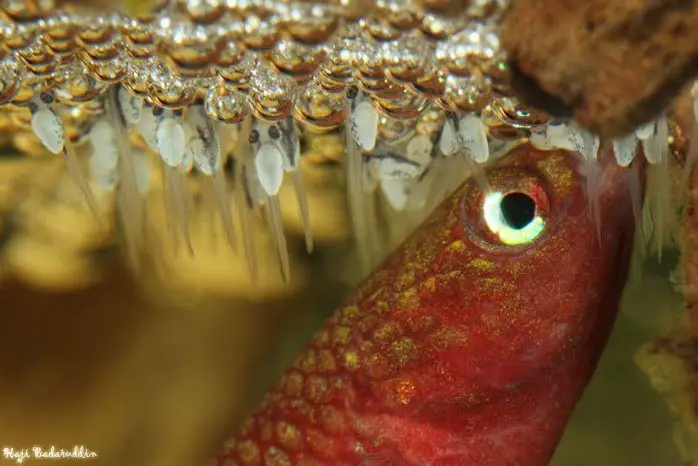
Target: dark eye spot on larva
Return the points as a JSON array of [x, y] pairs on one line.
[[254, 137], [46, 98]]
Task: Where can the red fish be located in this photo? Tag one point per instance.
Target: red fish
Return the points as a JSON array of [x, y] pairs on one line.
[[473, 342]]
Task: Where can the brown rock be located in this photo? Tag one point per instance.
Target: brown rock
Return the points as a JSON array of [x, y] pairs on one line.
[[610, 64]]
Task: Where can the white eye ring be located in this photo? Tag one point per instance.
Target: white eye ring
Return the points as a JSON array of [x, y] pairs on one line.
[[509, 234]]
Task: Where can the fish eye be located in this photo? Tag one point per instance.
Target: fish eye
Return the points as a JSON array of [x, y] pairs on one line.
[[513, 212], [512, 217]]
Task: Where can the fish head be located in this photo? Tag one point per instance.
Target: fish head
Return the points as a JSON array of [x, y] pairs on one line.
[[472, 343], [529, 269], [492, 316]]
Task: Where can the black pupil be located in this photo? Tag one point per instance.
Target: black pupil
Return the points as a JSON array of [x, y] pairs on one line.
[[518, 210]]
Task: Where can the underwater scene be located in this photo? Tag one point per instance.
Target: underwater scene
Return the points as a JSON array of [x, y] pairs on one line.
[[348, 232]]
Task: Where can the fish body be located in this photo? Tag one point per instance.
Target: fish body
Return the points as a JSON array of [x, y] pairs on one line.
[[462, 348]]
